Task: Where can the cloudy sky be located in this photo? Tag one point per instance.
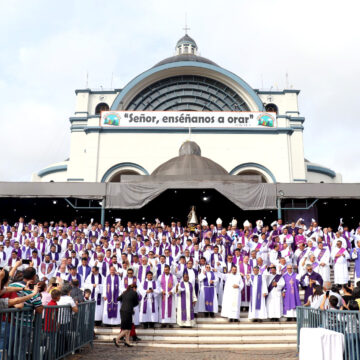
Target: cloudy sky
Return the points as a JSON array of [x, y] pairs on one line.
[[47, 47]]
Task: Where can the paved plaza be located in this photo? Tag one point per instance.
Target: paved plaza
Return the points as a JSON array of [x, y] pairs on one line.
[[110, 352]]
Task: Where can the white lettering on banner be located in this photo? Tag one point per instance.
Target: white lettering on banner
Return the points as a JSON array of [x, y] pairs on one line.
[[193, 119]]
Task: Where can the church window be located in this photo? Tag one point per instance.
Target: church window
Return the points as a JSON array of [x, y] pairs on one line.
[[101, 107]]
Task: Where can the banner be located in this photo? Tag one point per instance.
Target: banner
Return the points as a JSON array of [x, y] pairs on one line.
[[191, 119]]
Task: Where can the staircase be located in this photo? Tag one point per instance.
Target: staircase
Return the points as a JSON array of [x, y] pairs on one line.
[[214, 333]]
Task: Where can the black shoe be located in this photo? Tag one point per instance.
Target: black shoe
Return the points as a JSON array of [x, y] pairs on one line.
[[163, 326], [135, 338], [146, 325], [122, 338], [128, 345], [231, 320], [171, 326], [212, 315], [152, 325], [236, 320], [195, 315], [206, 314], [115, 342]]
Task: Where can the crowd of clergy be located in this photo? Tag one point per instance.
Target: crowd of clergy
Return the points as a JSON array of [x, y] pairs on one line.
[[181, 271]]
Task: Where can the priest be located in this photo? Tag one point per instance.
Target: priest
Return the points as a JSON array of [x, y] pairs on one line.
[[340, 257], [94, 282], [291, 294], [208, 301], [258, 293], [274, 301], [231, 302], [308, 280], [355, 254], [111, 292], [167, 308], [186, 299], [148, 310]]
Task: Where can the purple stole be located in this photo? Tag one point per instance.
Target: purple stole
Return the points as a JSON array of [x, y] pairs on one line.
[[212, 260], [140, 272], [158, 270], [49, 269], [300, 239], [258, 292], [321, 254], [87, 271], [112, 296], [245, 288], [67, 254], [315, 264], [126, 281], [209, 291], [262, 269], [283, 270], [11, 261], [147, 296], [276, 279], [301, 256], [176, 250], [357, 263], [164, 296], [28, 252], [341, 251], [78, 277], [56, 257], [183, 302], [103, 268], [78, 247], [98, 300], [4, 255], [170, 260]]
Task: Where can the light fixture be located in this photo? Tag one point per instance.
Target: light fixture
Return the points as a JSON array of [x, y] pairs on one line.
[[100, 203], [281, 193], [54, 202], [205, 198], [175, 191]]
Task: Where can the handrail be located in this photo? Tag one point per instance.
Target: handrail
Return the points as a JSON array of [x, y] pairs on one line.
[[343, 321], [50, 335]]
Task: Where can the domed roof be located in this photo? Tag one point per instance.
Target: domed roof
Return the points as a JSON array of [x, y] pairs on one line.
[[186, 39], [189, 148], [190, 162], [185, 57]]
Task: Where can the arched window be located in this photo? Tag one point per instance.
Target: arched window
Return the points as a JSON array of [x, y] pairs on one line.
[[101, 107], [271, 108]]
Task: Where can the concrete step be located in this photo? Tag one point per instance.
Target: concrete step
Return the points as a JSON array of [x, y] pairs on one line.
[[214, 346], [204, 332], [243, 339]]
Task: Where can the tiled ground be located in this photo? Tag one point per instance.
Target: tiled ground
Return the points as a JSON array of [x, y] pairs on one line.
[[110, 352]]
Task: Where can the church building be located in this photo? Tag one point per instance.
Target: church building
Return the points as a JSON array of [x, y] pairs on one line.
[[191, 87]]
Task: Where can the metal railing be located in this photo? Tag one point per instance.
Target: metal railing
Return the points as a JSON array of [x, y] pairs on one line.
[[342, 321], [50, 335]]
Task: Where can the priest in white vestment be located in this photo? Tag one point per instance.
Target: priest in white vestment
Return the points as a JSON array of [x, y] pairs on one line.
[[258, 292], [322, 255], [111, 292], [186, 299], [340, 256], [274, 300], [94, 282], [149, 305], [167, 304], [231, 301]]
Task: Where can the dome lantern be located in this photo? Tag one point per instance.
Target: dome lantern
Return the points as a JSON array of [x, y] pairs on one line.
[[186, 45]]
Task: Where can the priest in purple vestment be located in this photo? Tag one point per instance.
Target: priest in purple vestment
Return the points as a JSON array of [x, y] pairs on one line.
[[308, 281]]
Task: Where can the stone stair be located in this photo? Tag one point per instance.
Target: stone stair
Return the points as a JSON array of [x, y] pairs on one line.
[[214, 333], [218, 332]]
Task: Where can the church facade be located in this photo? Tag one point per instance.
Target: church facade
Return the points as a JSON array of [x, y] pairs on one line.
[[184, 83]]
